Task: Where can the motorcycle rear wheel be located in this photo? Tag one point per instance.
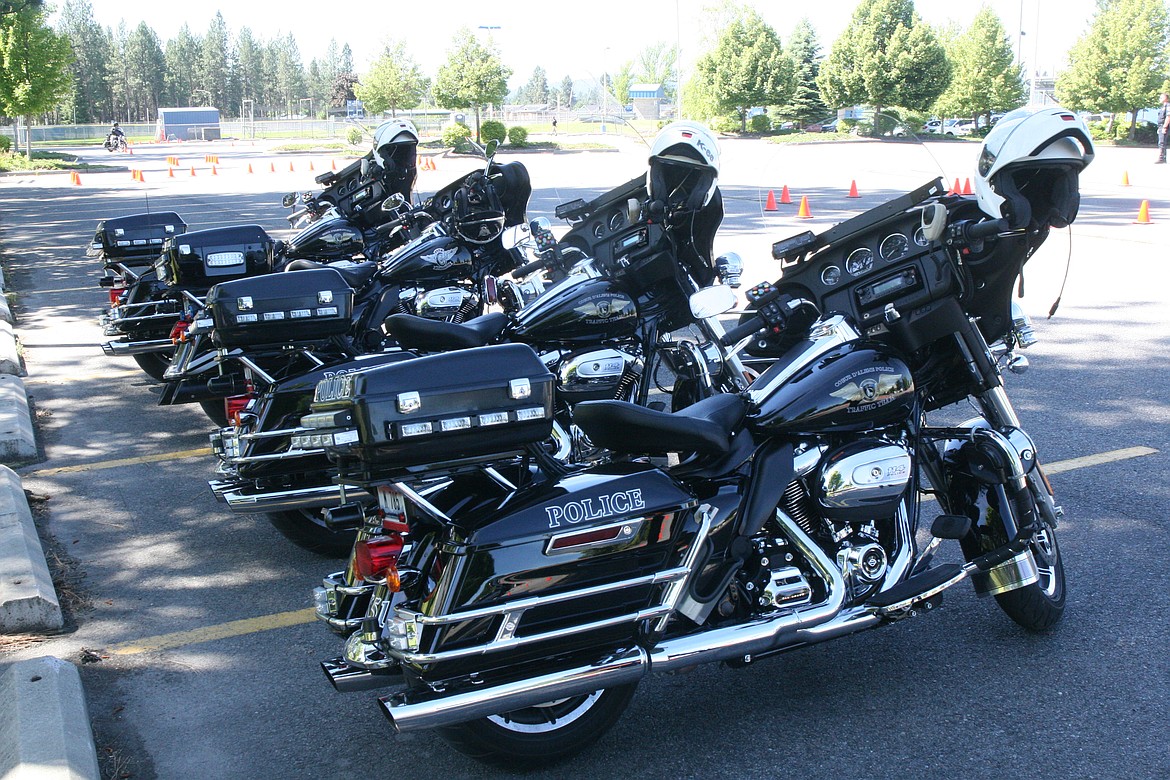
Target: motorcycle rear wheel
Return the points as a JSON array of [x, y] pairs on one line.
[[1039, 606], [543, 734], [215, 411], [306, 529], [155, 364]]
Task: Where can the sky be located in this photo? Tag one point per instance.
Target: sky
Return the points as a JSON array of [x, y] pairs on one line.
[[579, 39]]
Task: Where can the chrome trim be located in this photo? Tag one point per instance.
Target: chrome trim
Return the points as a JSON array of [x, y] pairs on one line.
[[128, 348], [352, 679], [628, 530], [763, 634], [280, 500], [826, 335], [425, 709], [249, 363], [513, 611]]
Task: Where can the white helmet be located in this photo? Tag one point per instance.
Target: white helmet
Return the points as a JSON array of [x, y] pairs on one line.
[[684, 166], [392, 134], [1029, 165]]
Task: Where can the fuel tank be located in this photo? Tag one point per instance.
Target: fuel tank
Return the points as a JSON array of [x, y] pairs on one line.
[[849, 387], [429, 259], [577, 310], [328, 239]]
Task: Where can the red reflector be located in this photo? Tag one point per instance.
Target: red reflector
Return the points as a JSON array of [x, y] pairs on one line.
[[115, 293], [394, 523], [178, 331], [234, 404], [376, 558], [586, 537]]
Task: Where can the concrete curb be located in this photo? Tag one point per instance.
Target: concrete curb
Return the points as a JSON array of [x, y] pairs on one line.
[[44, 724], [9, 354], [28, 601], [17, 440]]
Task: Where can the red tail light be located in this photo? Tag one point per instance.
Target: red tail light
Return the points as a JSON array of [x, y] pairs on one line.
[[179, 331], [377, 558], [115, 294], [234, 405]]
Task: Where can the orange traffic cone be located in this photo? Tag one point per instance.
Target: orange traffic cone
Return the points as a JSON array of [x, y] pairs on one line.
[[967, 187], [192, 170], [1125, 178], [170, 173], [803, 213], [784, 196], [333, 164], [75, 178], [214, 172], [272, 167], [770, 205], [249, 167], [1143, 214], [853, 190], [290, 167], [141, 178], [311, 168], [431, 164]]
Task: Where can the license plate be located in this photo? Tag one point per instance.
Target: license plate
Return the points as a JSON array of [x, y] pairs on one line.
[[391, 501]]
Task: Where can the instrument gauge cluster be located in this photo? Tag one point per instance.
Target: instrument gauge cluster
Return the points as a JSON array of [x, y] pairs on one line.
[[893, 247], [859, 262]]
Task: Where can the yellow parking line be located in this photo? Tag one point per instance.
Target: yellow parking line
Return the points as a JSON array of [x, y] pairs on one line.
[[210, 633], [301, 616], [113, 464], [1097, 460]]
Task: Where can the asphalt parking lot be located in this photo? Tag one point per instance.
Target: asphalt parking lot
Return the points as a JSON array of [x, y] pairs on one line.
[[190, 624]]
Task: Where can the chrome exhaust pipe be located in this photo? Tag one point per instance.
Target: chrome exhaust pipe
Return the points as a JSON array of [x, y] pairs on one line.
[[280, 500], [352, 679], [740, 642], [128, 348], [425, 709]]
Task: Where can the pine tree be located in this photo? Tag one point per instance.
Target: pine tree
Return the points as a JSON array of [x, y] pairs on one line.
[[986, 78], [806, 104]]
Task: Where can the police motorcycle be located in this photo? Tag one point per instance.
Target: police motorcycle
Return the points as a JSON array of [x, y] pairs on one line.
[[610, 316], [516, 612], [158, 273], [253, 333]]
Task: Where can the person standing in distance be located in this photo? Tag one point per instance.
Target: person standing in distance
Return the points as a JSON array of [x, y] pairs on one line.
[[1163, 121]]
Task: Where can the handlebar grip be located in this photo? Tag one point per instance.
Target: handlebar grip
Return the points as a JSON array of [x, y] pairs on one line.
[[743, 330], [528, 268], [981, 230]]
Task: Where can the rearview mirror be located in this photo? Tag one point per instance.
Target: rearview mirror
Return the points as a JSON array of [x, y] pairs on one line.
[[289, 200], [713, 301], [514, 236], [489, 149], [393, 202]]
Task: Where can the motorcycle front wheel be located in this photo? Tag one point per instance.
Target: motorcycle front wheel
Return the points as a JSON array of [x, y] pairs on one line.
[[1040, 605], [543, 734], [306, 529]]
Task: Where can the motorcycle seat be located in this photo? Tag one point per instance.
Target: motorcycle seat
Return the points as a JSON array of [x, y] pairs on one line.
[[420, 333], [704, 427], [356, 275]]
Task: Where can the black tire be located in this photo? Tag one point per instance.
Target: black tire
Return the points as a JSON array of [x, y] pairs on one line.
[[155, 364], [1039, 606], [540, 735], [215, 410], [306, 529]]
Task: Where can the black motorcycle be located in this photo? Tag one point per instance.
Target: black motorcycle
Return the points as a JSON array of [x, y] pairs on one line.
[[157, 284], [516, 611], [115, 142]]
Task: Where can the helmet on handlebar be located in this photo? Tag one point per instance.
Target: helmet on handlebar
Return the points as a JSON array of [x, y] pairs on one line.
[[396, 151], [1029, 167], [684, 166], [478, 214]]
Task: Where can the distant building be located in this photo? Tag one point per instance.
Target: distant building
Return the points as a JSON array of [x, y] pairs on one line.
[[189, 123], [647, 100]]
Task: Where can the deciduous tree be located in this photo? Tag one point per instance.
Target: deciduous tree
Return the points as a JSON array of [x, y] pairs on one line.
[[984, 77], [395, 81], [34, 65], [473, 76]]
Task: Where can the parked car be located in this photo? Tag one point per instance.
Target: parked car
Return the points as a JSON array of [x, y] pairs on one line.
[[827, 125]]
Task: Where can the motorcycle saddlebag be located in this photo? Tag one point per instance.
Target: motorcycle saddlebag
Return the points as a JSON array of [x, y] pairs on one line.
[[279, 308], [136, 236], [202, 258], [453, 406]]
